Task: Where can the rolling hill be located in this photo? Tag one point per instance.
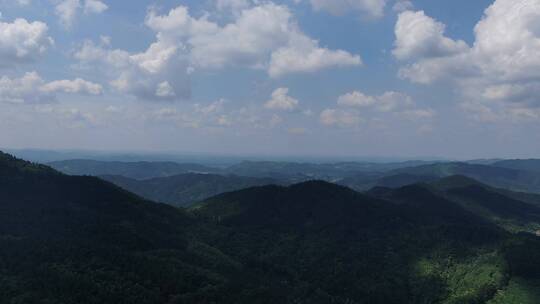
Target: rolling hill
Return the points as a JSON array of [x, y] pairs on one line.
[[511, 179], [186, 189], [520, 164], [292, 171], [409, 237], [70, 239], [134, 170]]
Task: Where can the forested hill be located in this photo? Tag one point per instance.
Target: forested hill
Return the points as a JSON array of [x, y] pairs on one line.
[[412, 245], [134, 170], [68, 239], [186, 189]]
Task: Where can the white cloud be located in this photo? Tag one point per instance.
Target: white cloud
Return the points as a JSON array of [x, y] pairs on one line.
[[31, 88], [77, 86], [370, 8], [159, 73], [356, 99], [304, 55], [94, 7], [340, 118], [164, 89], [498, 76], [264, 36], [68, 10], [402, 5], [23, 90], [379, 111], [213, 108], [420, 36], [23, 41], [281, 101], [387, 102]]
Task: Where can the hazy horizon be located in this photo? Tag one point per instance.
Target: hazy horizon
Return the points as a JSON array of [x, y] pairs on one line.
[[48, 155]]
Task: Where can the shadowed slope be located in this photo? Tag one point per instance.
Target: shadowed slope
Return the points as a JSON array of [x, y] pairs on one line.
[[186, 189]]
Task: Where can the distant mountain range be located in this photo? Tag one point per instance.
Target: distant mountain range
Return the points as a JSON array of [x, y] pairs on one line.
[[501, 177], [184, 184], [186, 189], [70, 239], [520, 164], [135, 170]]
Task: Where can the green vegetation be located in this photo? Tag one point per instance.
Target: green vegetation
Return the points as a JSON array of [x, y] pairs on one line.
[[68, 239], [518, 291], [503, 207], [186, 189]]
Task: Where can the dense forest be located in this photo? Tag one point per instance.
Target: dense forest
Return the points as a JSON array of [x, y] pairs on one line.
[[71, 239], [184, 190]]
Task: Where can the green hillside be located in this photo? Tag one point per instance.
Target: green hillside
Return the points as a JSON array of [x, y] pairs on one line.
[[186, 189], [511, 179], [68, 239]]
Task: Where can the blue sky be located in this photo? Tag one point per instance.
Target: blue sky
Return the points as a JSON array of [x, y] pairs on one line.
[[456, 79]]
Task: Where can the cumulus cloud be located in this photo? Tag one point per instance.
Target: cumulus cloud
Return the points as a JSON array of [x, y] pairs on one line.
[[499, 75], [357, 107], [265, 36], [281, 101], [370, 8], [77, 86], [356, 99], [23, 41], [31, 88], [420, 36], [304, 55], [389, 101], [68, 10], [159, 73], [94, 7]]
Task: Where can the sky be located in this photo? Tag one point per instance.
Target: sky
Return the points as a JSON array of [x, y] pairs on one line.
[[437, 78]]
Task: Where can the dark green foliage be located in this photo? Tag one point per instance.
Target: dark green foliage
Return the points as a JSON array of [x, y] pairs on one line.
[[66, 239], [351, 246], [514, 211], [364, 182], [186, 189]]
